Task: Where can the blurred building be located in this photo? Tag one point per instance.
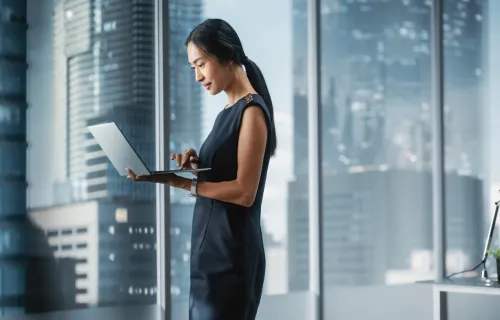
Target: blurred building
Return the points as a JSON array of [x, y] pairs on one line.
[[383, 81], [378, 223], [276, 280], [376, 85], [13, 144], [186, 112], [181, 217], [114, 245], [104, 61]]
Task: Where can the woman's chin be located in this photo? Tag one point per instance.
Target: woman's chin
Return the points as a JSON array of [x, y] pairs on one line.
[[213, 92]]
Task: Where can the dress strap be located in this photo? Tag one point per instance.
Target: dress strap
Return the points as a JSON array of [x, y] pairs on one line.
[[249, 98]]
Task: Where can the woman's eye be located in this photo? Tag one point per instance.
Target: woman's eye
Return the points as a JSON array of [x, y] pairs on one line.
[[201, 65]]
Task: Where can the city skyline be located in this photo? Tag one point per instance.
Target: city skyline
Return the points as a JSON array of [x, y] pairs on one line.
[[377, 141]]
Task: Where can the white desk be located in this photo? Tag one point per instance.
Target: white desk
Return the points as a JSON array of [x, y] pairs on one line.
[[459, 285]]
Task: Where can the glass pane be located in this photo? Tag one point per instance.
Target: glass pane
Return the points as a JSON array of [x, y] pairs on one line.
[[13, 40], [9, 115], [99, 227], [13, 243], [12, 78], [193, 113], [377, 199], [471, 175]]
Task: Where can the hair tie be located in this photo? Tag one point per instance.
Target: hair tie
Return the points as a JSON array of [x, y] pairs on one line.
[[245, 59]]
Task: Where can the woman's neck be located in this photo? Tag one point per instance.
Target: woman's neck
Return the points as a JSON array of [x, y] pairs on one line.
[[239, 87]]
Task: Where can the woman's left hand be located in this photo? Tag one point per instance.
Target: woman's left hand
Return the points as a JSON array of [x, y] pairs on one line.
[[134, 177], [159, 178]]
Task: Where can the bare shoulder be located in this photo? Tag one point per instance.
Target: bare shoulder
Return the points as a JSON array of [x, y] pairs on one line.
[[255, 115], [253, 124], [254, 110]]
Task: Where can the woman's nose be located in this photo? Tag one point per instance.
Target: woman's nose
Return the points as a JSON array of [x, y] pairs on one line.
[[199, 76]]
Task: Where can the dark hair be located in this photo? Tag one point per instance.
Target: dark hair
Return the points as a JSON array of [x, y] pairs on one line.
[[218, 39]]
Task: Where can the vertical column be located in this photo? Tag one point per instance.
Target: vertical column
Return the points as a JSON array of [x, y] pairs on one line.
[[162, 120], [316, 282], [438, 191]]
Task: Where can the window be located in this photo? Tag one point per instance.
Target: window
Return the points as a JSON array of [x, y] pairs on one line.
[[75, 194], [12, 78], [376, 134], [109, 26], [11, 40], [9, 115]]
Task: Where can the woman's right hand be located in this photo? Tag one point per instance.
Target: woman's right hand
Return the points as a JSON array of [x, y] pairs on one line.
[[187, 160]]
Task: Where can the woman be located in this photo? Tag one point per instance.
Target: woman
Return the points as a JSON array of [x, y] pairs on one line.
[[227, 251]]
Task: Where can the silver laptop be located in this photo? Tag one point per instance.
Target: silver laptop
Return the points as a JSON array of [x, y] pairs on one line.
[[121, 153]]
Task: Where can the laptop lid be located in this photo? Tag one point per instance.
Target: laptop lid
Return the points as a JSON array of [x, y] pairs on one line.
[[117, 148]]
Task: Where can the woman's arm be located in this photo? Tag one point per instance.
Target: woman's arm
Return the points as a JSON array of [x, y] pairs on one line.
[[251, 149]]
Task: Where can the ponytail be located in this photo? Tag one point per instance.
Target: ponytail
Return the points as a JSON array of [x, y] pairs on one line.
[[259, 83]]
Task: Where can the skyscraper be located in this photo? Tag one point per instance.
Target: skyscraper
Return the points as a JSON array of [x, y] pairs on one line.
[[375, 222], [13, 147], [383, 80], [104, 62], [185, 94]]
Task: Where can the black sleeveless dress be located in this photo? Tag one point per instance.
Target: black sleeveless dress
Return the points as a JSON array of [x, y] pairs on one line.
[[227, 250]]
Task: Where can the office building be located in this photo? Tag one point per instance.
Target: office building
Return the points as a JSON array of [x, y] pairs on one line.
[[382, 82], [276, 280], [114, 245], [376, 85], [181, 217], [13, 146], [24, 252], [104, 59], [378, 223]]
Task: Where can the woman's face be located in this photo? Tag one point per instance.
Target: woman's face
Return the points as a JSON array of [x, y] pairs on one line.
[[212, 75]]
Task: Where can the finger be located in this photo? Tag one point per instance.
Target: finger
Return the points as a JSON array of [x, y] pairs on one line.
[[130, 173], [178, 158], [192, 152], [184, 159], [194, 162]]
